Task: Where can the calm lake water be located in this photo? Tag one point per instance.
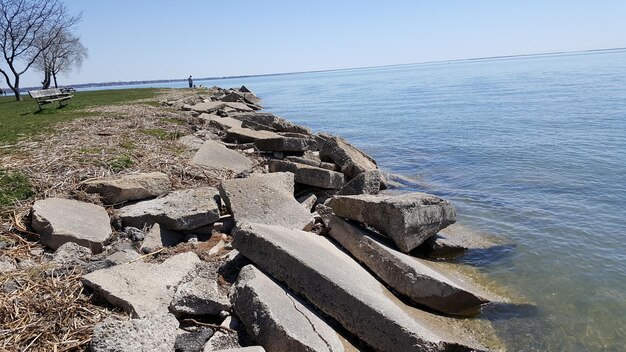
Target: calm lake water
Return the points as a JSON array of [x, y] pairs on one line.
[[531, 149]]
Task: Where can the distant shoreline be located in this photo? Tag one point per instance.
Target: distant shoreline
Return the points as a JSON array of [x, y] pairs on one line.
[[123, 83]]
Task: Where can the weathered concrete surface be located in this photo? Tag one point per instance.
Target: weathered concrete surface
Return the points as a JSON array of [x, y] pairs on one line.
[[246, 135], [243, 349], [212, 106], [455, 240], [59, 221], [129, 187], [367, 182], [71, 253], [270, 122], [143, 289], [409, 276], [350, 159], [199, 296], [265, 198], [151, 334], [222, 340], [191, 142], [308, 201], [328, 278], [215, 156], [180, 210], [159, 237], [277, 319], [408, 219], [286, 144], [312, 162], [309, 175], [223, 123], [123, 256], [192, 341]]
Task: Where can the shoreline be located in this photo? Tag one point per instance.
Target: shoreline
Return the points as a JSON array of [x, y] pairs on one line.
[[210, 119]]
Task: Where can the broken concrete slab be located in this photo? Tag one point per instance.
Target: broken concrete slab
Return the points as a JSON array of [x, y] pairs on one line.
[[213, 106], [151, 334], [456, 240], [223, 123], [223, 340], [215, 156], [129, 187], [192, 341], [408, 219], [159, 237], [265, 198], [368, 182], [411, 277], [312, 162], [350, 159], [191, 142], [277, 319], [270, 122], [71, 253], [59, 221], [312, 266], [243, 349], [308, 201], [180, 210], [143, 289], [286, 144], [246, 135], [309, 175], [199, 296], [122, 257]]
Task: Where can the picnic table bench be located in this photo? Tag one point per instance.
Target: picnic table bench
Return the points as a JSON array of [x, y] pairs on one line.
[[47, 96]]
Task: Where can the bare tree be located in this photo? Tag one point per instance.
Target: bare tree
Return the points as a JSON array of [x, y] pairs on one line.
[[27, 28], [64, 54]]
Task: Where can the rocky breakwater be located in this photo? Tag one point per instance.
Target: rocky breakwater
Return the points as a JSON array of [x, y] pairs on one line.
[[290, 246]]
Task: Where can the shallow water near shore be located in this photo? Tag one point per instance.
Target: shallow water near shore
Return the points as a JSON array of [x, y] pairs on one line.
[[529, 149]]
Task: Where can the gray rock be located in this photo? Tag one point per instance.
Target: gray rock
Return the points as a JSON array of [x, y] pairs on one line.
[[191, 142], [71, 253], [251, 99], [408, 219], [134, 233], [244, 349], [350, 159], [213, 106], [246, 135], [278, 320], [122, 257], [245, 89], [367, 182], [192, 341], [59, 221], [411, 277], [225, 340], [328, 278], [200, 296], [215, 156], [266, 198], [307, 201], [454, 241], [309, 175], [159, 237], [143, 289], [153, 334], [286, 144], [129, 187], [180, 210]]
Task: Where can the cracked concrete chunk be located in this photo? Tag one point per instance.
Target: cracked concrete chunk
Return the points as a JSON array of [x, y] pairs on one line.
[[331, 280], [140, 288], [159, 237], [200, 296], [278, 320], [129, 187], [350, 159], [152, 334], [408, 219], [215, 156], [266, 198], [367, 182], [409, 276], [180, 210], [309, 175], [286, 144], [59, 221]]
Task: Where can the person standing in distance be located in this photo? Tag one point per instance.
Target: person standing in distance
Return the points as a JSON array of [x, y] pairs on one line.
[[190, 80]]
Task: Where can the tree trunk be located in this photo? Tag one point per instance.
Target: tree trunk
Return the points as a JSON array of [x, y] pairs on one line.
[[54, 75], [46, 79], [16, 88]]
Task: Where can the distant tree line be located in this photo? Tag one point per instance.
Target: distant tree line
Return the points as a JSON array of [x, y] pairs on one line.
[[38, 34]]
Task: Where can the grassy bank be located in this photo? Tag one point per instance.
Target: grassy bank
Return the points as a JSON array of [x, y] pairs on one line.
[[22, 119]]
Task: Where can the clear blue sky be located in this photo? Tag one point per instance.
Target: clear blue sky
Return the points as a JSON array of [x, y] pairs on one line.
[[158, 39]]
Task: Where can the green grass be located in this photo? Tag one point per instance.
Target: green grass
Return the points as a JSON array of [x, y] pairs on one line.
[[23, 119], [14, 186], [120, 163]]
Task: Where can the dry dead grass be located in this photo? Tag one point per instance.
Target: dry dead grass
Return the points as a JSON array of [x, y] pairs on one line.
[[40, 309]]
